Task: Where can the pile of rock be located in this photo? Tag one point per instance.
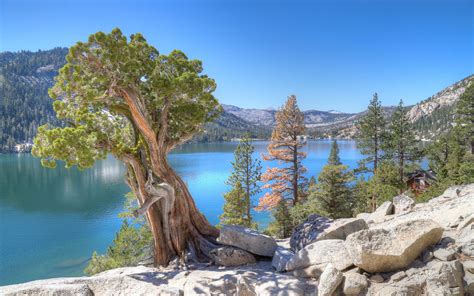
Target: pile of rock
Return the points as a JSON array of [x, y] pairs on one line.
[[399, 249], [402, 248]]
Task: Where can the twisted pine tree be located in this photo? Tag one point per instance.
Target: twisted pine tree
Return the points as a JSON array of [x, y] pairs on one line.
[[121, 96]]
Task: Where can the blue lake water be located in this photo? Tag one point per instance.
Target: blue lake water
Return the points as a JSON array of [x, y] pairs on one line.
[[51, 220]]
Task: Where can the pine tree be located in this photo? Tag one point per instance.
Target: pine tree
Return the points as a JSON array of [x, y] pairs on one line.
[[401, 145], [288, 182], [234, 207], [247, 173], [371, 138], [282, 225], [464, 116], [332, 194], [334, 154]]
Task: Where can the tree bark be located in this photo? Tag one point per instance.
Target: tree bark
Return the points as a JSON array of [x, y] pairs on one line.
[[181, 227]]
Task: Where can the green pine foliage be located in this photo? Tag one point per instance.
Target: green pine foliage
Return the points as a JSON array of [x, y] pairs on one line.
[[401, 145], [282, 225], [372, 133], [244, 181], [331, 196], [132, 243]]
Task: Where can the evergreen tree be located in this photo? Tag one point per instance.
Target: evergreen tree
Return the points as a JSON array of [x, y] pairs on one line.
[[334, 154], [235, 207], [371, 137], [246, 172], [401, 145], [120, 96], [464, 117], [333, 195], [282, 225], [288, 182]]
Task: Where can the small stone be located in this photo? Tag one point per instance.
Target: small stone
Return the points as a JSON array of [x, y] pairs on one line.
[[445, 254], [398, 276], [469, 279], [354, 283], [427, 256], [377, 278], [403, 203], [329, 281], [457, 291], [281, 257]]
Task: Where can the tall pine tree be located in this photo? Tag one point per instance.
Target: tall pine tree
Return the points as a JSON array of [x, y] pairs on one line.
[[371, 138], [401, 145], [286, 182]]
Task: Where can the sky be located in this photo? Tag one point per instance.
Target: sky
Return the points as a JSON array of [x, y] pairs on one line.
[[333, 55]]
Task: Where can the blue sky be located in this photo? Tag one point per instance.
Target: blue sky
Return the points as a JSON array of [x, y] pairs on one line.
[[331, 54]]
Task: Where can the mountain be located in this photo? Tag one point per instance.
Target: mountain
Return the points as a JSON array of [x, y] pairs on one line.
[[26, 76], [266, 117]]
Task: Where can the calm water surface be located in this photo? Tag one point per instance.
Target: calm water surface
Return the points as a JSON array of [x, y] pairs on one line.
[[52, 220]]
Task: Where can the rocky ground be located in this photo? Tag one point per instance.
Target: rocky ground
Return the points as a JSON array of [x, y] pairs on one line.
[[402, 248]]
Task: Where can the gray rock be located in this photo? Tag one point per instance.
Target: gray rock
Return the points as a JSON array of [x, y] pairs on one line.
[[275, 284], [316, 228], [53, 290], [465, 240], [445, 254], [396, 277], [354, 283], [465, 222], [469, 279], [468, 266], [231, 256], [247, 239], [281, 257], [382, 211], [312, 271], [329, 281], [443, 276], [402, 203], [320, 254], [377, 278], [383, 250]]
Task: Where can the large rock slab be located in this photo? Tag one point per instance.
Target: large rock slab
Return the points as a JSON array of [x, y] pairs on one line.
[[380, 214], [53, 289], [231, 256], [281, 257], [316, 228], [389, 249], [247, 239], [329, 281], [319, 254]]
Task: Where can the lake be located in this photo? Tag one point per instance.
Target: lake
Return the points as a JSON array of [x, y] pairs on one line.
[[51, 220]]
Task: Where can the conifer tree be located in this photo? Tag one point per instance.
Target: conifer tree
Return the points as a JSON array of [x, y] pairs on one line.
[[401, 145], [282, 226], [464, 116], [287, 182], [120, 96], [371, 137], [235, 207], [332, 194], [247, 172]]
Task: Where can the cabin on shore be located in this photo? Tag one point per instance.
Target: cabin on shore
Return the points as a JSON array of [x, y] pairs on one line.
[[420, 180]]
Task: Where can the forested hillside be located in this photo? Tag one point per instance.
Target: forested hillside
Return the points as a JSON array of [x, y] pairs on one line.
[[25, 78], [24, 81]]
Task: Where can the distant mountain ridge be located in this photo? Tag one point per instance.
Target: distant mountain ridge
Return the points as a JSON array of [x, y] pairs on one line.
[[26, 76]]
